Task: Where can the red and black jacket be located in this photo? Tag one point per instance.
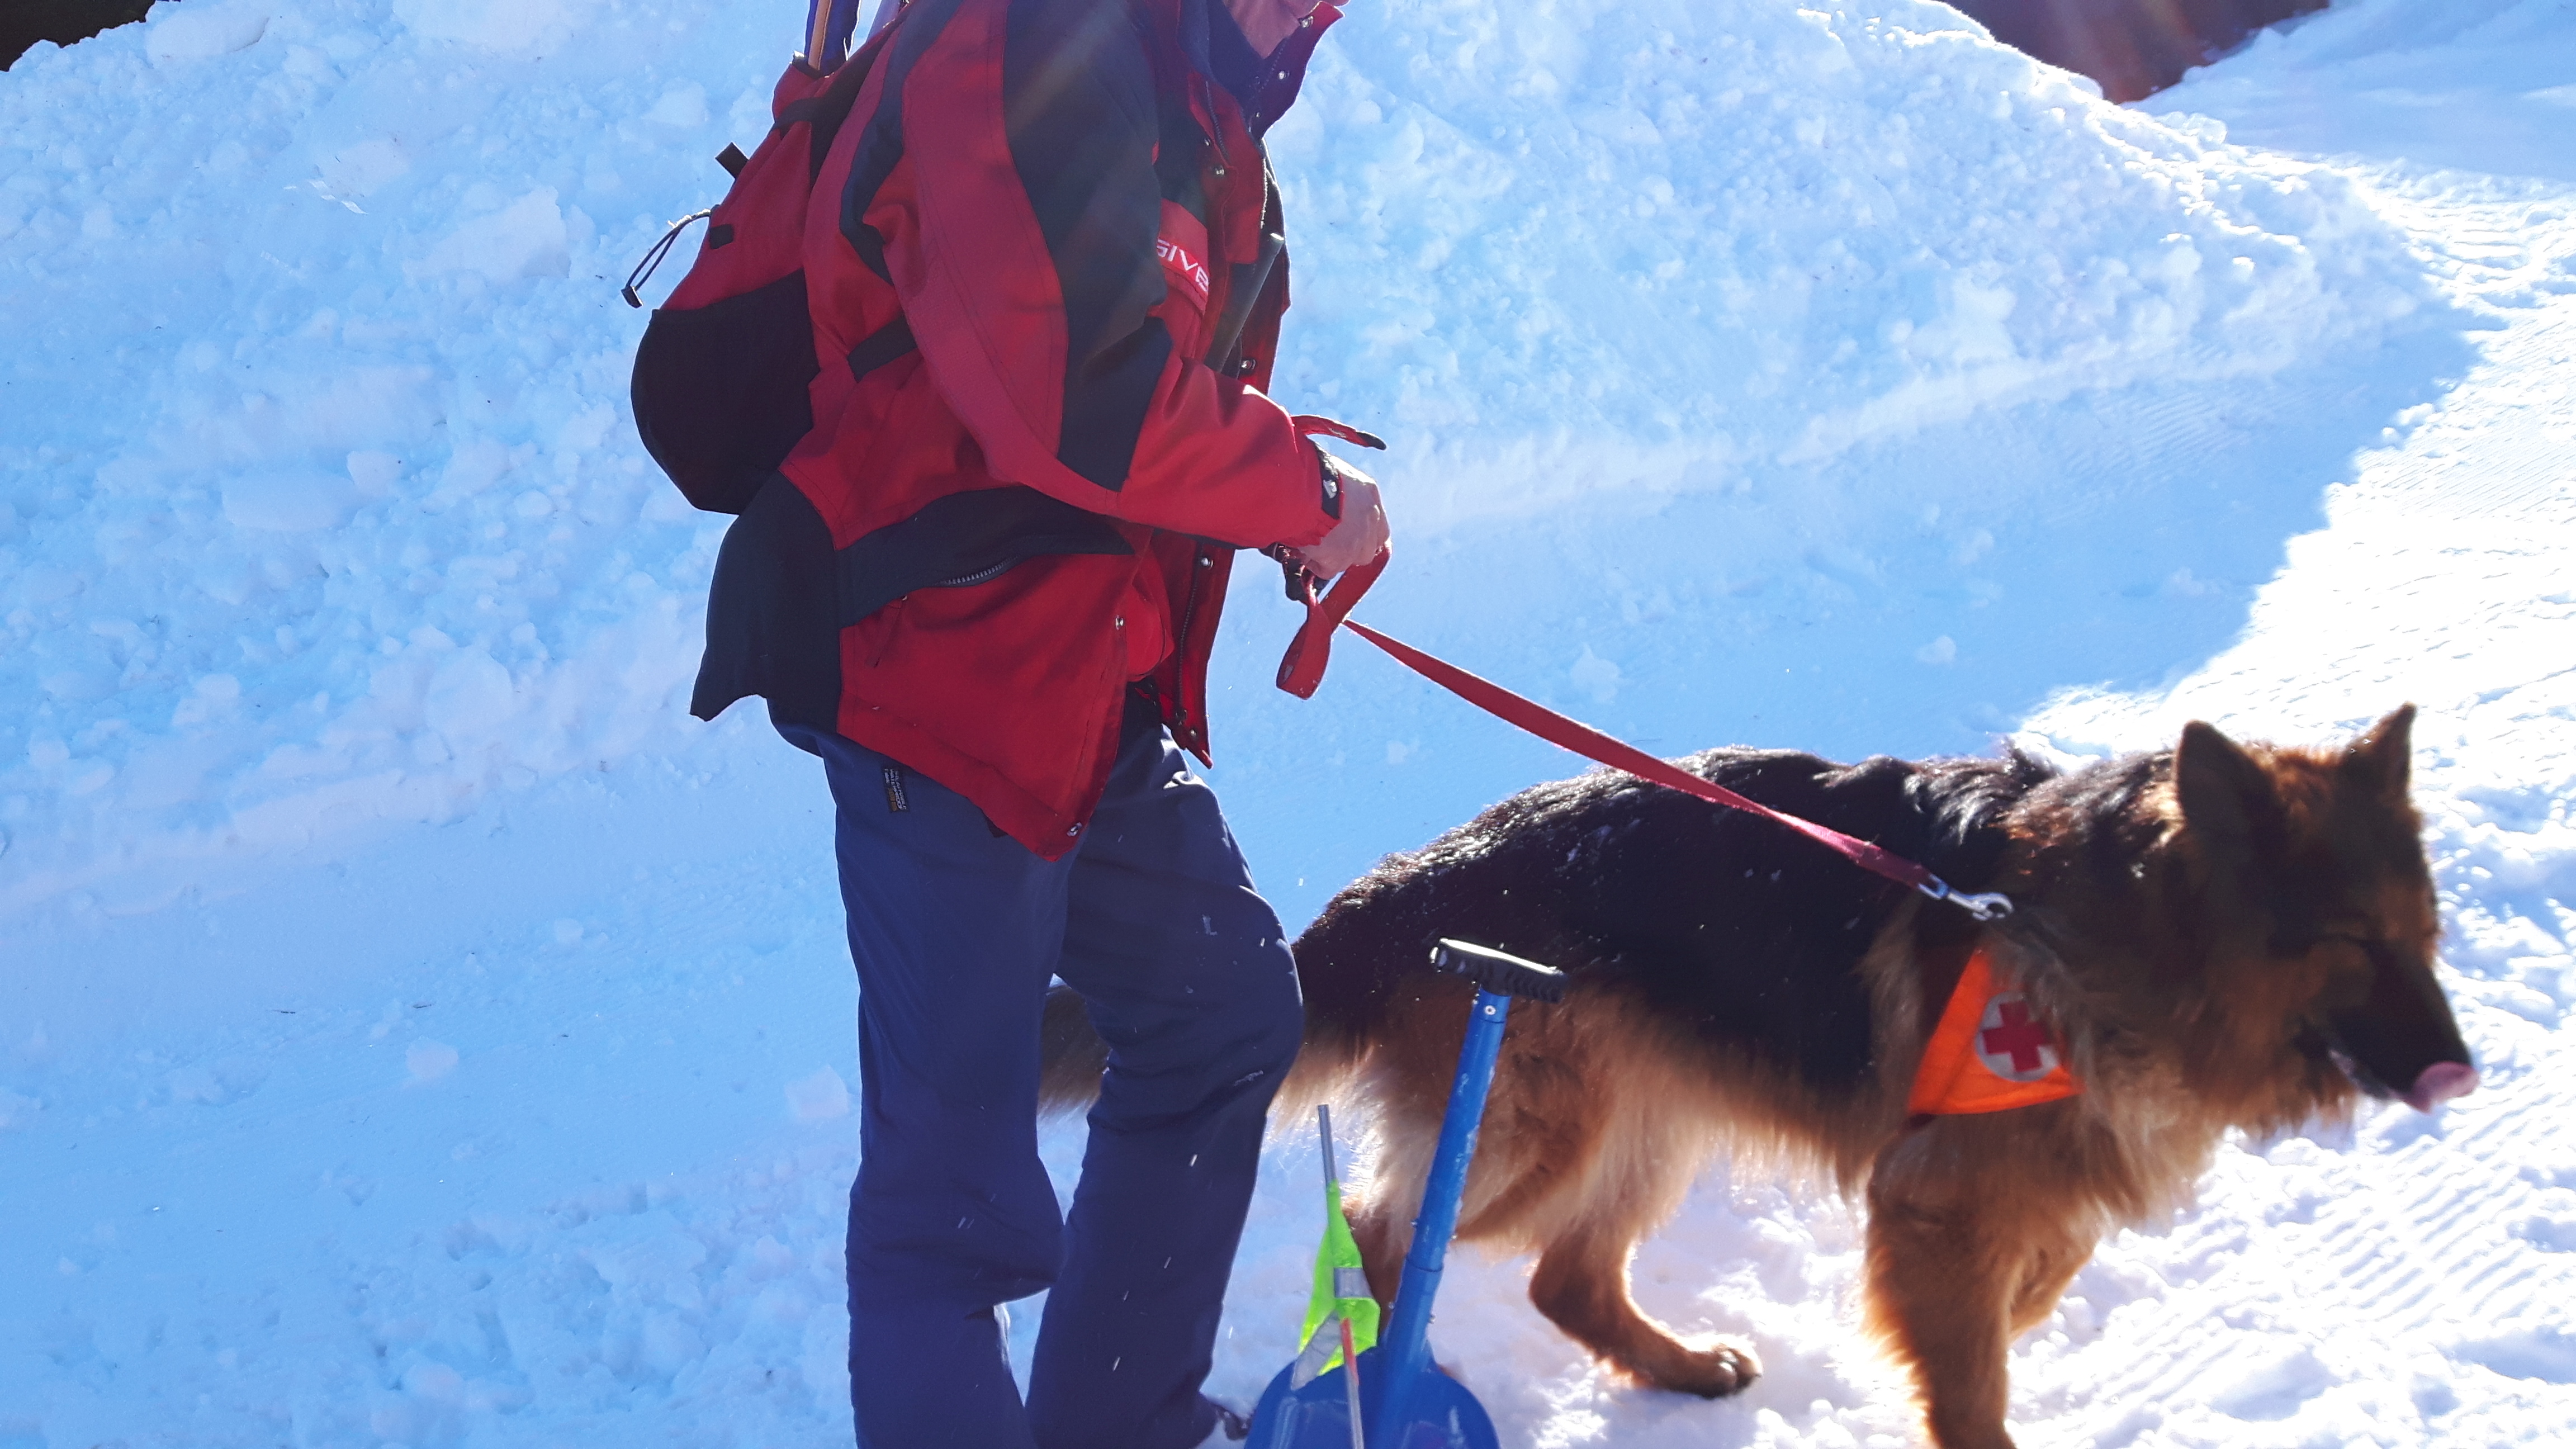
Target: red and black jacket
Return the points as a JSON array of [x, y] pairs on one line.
[[1025, 483]]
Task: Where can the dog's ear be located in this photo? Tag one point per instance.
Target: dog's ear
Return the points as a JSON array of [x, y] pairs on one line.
[[2224, 792], [2381, 757]]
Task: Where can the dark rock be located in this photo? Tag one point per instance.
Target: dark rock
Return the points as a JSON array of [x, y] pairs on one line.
[[24, 22], [2131, 48]]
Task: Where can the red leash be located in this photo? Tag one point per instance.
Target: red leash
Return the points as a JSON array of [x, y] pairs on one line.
[[1303, 669]]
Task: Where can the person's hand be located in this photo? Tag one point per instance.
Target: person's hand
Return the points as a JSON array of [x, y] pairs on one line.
[[1359, 536]]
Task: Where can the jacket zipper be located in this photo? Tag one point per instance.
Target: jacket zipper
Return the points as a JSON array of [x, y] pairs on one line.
[[1199, 564], [1117, 710]]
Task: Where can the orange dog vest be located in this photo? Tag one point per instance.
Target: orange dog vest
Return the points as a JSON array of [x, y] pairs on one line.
[[1990, 1052]]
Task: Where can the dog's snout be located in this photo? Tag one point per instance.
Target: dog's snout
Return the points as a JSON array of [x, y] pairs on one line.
[[2441, 1082]]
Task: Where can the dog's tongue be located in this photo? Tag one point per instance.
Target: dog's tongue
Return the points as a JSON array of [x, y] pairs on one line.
[[2441, 1082]]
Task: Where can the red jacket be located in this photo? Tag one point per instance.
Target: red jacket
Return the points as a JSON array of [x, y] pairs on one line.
[[1023, 490]]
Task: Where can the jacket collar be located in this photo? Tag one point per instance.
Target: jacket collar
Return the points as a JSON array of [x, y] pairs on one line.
[[1215, 47], [1222, 52]]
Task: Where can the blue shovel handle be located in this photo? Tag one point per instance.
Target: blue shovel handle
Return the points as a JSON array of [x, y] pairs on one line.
[[1405, 1349], [828, 24]]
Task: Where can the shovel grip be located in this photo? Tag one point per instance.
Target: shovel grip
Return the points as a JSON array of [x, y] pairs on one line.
[[1499, 972]]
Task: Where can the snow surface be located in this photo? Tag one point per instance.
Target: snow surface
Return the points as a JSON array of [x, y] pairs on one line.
[[413, 1030]]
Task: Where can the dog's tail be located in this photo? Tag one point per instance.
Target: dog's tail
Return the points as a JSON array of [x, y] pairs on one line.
[[1073, 1056]]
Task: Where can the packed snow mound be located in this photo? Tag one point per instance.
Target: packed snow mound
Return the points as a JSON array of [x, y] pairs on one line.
[[1561, 246], [324, 505]]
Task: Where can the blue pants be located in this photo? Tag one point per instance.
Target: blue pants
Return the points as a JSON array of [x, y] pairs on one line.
[[956, 931]]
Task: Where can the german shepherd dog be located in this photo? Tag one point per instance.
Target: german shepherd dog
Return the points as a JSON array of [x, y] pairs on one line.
[[2223, 936]]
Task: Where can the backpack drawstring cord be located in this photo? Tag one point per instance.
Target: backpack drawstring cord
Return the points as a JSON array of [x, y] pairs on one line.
[[653, 259]]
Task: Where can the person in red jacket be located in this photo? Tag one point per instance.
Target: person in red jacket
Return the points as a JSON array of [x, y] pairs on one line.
[[1045, 264]]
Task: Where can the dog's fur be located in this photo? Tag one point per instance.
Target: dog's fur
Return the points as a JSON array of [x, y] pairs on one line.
[[2225, 936]]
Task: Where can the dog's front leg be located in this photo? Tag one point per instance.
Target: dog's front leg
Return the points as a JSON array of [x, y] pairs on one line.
[[1936, 1296], [1976, 1225]]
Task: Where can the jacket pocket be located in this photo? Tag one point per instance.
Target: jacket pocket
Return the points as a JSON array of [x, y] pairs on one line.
[[1015, 672]]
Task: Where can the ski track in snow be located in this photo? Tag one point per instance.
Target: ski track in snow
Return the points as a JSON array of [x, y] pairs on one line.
[[411, 1035]]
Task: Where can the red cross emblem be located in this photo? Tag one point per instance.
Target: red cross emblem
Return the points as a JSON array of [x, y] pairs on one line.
[[2013, 1045]]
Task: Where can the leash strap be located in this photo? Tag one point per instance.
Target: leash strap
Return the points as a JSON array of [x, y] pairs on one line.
[[1312, 649], [1303, 669], [1584, 740]]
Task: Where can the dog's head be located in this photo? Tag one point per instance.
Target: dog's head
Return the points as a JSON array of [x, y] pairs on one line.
[[2321, 914]]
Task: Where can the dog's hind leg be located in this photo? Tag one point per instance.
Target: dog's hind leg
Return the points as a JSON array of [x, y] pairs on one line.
[[1640, 1151], [1604, 1142], [1382, 1248], [1581, 1284]]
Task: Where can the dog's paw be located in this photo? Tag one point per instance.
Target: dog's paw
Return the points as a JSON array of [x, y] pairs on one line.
[[1724, 1367]]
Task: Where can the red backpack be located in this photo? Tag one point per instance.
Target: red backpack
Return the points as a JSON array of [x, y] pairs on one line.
[[719, 390]]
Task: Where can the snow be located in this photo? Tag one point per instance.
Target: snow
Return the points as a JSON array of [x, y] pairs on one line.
[[416, 1031]]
